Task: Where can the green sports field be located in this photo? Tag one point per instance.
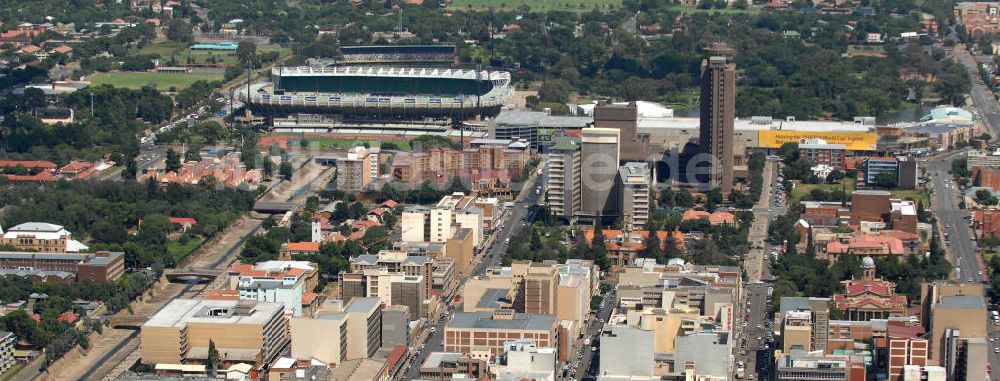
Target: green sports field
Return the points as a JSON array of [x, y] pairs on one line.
[[162, 81], [536, 5], [181, 53]]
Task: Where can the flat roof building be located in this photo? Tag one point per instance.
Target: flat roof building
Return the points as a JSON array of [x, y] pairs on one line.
[[251, 332], [466, 331]]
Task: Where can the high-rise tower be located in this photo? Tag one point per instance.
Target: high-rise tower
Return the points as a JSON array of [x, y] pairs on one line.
[[718, 111]]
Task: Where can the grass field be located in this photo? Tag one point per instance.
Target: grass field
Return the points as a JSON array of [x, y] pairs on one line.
[[179, 250], [536, 5], [162, 81], [801, 189], [915, 194], [804, 189], [181, 53], [348, 143]]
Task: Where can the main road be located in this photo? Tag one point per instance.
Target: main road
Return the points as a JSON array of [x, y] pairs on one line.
[[982, 98], [511, 224]]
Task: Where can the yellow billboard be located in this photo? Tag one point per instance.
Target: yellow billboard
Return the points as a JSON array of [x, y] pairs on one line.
[[854, 141]]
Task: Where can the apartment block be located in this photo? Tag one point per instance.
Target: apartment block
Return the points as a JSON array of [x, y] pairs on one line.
[[636, 204], [253, 332], [563, 187], [356, 171], [819, 152], [415, 222], [466, 331], [7, 341]]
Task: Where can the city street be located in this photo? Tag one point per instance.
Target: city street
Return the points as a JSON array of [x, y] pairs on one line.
[[982, 98], [491, 256], [951, 219]]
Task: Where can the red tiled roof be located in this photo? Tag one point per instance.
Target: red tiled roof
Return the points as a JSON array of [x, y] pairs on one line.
[[303, 246], [395, 356], [868, 286], [28, 164], [44, 176], [223, 295], [68, 317], [182, 220], [309, 297], [389, 204]]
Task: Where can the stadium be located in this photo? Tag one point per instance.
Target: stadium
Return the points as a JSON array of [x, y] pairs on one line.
[[380, 91]]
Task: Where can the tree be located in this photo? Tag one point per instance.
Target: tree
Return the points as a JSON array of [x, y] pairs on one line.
[[555, 90], [286, 169], [789, 152], [651, 246], [267, 166], [173, 161], [740, 4], [834, 176], [886, 180], [246, 52], [214, 362]]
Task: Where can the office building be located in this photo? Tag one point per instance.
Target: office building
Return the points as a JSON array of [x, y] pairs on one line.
[[532, 126], [467, 331], [964, 358], [395, 326], [442, 366], [623, 117], [362, 369], [356, 171], [41, 237], [285, 282], [245, 331], [364, 327], [626, 351], [599, 155], [636, 204], [874, 167], [563, 188], [523, 360], [905, 347], [323, 337], [799, 365], [796, 331], [62, 267], [964, 316], [393, 277], [718, 110], [819, 317], [539, 285], [461, 249]]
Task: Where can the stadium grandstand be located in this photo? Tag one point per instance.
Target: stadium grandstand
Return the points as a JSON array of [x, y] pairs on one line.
[[398, 54], [380, 91]]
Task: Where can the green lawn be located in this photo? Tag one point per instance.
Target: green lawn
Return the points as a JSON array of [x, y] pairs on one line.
[[180, 251], [162, 81], [10, 373], [181, 53], [348, 143], [915, 194], [536, 5], [801, 189]]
